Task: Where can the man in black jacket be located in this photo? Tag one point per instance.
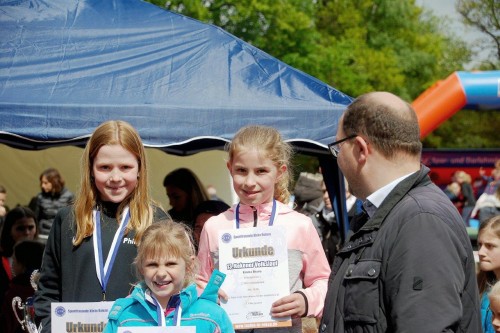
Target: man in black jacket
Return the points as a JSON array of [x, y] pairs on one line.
[[407, 263]]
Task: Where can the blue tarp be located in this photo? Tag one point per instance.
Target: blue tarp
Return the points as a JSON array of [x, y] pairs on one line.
[[68, 65]]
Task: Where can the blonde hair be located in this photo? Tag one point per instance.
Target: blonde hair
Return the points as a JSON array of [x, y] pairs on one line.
[[141, 214], [167, 238], [269, 141], [495, 290], [463, 177], [486, 279]]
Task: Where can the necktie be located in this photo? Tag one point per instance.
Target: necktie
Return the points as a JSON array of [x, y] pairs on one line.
[[369, 208]]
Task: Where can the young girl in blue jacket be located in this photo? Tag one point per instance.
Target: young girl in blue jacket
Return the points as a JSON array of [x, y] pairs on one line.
[[167, 295]]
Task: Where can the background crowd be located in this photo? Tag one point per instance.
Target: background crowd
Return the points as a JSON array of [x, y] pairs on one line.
[[476, 199], [29, 231]]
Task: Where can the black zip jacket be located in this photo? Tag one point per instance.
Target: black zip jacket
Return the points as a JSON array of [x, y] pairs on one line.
[[68, 273], [410, 268]]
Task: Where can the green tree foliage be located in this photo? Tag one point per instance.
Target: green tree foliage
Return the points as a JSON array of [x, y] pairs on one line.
[[467, 129], [390, 45], [485, 16]]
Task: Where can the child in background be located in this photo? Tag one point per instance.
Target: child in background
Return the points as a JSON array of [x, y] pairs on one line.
[[489, 264], [20, 224], [92, 244], [203, 212], [167, 295], [259, 166], [27, 259], [185, 191], [494, 297]]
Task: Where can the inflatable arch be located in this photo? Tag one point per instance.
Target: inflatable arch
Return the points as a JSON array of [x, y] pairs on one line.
[[460, 90]]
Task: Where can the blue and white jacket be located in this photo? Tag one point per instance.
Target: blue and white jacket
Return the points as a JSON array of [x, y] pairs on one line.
[[486, 314], [200, 311]]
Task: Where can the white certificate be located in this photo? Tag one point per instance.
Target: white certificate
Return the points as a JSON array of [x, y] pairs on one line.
[[158, 329], [255, 261], [79, 317]]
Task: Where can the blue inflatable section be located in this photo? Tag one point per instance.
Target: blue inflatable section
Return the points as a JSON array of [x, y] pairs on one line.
[[482, 89]]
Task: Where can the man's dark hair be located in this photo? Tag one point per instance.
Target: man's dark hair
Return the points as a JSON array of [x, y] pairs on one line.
[[388, 126]]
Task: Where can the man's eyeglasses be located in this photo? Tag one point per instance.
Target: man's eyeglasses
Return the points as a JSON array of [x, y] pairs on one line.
[[335, 146]]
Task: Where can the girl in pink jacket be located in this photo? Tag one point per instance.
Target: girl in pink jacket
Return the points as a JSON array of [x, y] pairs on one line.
[[258, 164]]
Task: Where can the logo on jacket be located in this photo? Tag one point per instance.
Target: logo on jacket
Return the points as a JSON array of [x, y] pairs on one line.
[[127, 240]]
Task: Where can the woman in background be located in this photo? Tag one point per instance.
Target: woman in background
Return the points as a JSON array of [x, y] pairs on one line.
[[54, 196]]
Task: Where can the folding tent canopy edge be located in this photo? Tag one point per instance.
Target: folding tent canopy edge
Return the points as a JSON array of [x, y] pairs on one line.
[[68, 65]]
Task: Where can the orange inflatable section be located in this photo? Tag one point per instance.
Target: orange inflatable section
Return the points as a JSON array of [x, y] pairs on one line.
[[438, 103]]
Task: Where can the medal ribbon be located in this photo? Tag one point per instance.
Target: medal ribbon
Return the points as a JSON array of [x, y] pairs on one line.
[[104, 271], [160, 312], [237, 215]]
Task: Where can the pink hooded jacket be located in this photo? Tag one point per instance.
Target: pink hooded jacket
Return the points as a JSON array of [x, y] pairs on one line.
[[308, 266]]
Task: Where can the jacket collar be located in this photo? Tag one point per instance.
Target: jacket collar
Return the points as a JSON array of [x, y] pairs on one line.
[[246, 212], [187, 296], [416, 179]]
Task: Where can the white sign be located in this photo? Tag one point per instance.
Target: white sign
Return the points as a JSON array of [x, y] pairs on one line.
[[72, 317], [255, 261]]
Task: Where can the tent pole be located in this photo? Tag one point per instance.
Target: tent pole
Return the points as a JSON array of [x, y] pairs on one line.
[[334, 181]]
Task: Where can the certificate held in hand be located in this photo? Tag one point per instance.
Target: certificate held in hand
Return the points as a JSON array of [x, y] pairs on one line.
[[255, 261]]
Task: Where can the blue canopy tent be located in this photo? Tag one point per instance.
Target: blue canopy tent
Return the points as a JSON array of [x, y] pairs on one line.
[[68, 65]]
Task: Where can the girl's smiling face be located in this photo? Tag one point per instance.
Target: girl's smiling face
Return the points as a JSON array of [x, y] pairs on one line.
[[115, 170], [165, 276], [254, 176]]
